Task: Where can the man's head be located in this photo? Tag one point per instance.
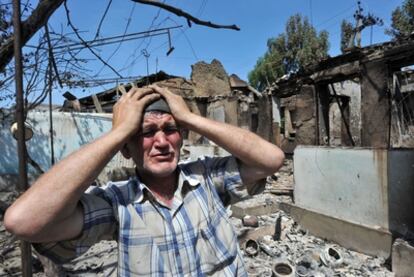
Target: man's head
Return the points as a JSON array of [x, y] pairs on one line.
[[156, 147]]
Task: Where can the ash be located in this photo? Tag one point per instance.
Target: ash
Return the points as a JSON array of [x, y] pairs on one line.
[[287, 251], [306, 254]]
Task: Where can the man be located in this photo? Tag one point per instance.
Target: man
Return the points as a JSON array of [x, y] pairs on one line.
[[169, 220]]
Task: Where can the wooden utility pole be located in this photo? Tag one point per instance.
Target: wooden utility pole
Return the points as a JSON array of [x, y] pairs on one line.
[[20, 118]]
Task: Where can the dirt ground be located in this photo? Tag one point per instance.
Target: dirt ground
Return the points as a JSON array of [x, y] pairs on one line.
[[292, 247]]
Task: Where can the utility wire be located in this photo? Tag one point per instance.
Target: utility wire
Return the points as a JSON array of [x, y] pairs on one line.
[[138, 58], [201, 8], [110, 40], [84, 43], [138, 47], [199, 12], [119, 45], [187, 39], [335, 16]]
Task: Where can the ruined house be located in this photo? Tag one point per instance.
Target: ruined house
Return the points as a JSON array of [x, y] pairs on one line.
[[348, 121], [210, 92], [361, 98]]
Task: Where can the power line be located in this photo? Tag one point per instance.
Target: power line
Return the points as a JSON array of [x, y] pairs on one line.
[[114, 39], [335, 16], [187, 39], [102, 81], [201, 8], [119, 45], [134, 55], [131, 64], [136, 59]]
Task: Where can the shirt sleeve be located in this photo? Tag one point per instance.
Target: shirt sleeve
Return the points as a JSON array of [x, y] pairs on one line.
[[225, 175], [99, 223]]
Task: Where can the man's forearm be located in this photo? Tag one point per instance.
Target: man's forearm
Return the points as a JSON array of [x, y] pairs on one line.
[[55, 195], [252, 150]]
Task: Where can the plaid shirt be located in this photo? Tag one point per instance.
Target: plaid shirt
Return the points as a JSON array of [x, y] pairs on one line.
[[193, 237]]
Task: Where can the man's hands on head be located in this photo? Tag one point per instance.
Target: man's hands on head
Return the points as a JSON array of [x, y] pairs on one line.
[[178, 107], [128, 111], [62, 215]]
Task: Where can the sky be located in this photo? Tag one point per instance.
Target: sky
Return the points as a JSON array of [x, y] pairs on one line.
[[238, 51]]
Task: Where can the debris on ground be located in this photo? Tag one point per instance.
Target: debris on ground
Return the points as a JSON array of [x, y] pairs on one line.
[[272, 245]]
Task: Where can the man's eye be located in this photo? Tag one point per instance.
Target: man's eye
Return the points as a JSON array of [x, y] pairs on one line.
[[170, 129], [148, 133]]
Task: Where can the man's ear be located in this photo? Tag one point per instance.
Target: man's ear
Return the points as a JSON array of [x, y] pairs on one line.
[[125, 152]]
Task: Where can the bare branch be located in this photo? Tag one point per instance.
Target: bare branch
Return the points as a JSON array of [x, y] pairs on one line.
[[84, 42], [51, 56], [102, 19], [186, 15]]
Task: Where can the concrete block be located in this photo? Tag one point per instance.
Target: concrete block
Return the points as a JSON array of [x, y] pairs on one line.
[[371, 187], [402, 258], [257, 233], [364, 239], [193, 152], [242, 209], [345, 183]]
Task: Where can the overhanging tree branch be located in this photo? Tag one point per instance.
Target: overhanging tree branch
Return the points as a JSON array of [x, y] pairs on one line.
[[30, 26], [186, 15], [46, 8]]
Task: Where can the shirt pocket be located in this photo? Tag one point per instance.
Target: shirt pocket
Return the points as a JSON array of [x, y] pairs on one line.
[[140, 255], [216, 245]]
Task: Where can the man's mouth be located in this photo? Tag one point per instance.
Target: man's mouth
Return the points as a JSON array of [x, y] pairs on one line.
[[163, 155]]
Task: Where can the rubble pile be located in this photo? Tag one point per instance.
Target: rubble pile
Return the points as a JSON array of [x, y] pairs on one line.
[[290, 249], [304, 254], [284, 249]]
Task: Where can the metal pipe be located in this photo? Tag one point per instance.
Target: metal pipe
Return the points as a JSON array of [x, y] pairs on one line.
[[52, 148], [26, 255]]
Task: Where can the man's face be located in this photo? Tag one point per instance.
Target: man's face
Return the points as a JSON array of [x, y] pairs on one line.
[[156, 148]]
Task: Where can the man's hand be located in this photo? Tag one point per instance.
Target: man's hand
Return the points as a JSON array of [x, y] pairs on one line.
[[177, 105], [127, 112]]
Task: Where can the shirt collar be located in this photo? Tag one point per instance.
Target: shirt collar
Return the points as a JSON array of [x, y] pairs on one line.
[[186, 178], [143, 192]]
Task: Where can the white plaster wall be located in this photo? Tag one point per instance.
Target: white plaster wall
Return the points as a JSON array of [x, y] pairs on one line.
[[345, 183], [71, 131]]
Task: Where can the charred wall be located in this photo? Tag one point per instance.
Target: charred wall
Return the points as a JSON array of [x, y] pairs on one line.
[[375, 103]]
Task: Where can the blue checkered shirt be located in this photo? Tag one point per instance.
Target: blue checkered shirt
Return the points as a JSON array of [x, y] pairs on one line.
[[193, 237]]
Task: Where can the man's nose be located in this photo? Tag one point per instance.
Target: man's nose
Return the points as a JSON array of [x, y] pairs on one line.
[[160, 139]]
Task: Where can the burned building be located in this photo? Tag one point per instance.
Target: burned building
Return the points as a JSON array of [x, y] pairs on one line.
[[210, 92], [348, 120], [361, 98]]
